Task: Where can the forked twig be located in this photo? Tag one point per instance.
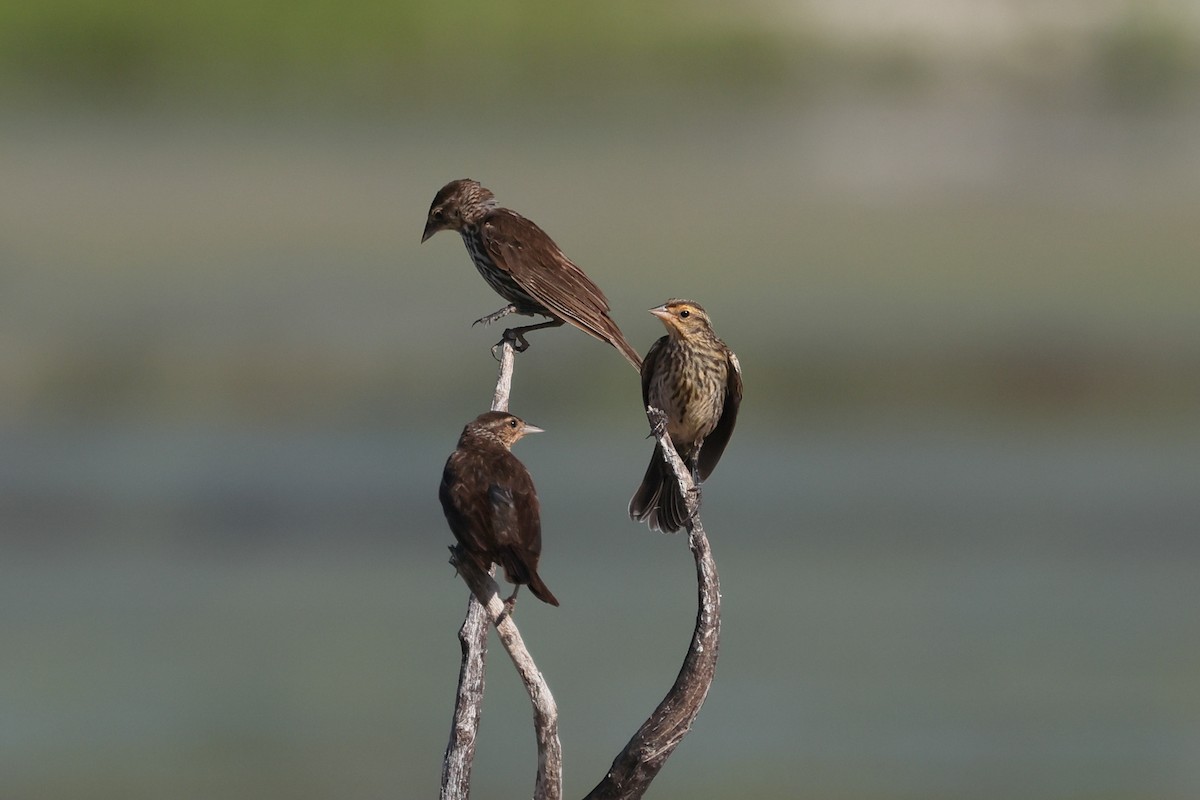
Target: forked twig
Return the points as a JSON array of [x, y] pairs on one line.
[[636, 766], [485, 608]]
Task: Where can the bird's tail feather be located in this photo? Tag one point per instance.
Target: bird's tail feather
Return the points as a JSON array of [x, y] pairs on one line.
[[658, 501], [631, 355], [541, 591], [518, 571]]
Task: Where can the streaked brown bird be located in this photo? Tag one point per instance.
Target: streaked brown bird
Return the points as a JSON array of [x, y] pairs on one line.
[[490, 503], [524, 265], [695, 378]]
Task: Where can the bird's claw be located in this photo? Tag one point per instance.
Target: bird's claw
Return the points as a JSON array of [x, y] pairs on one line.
[[516, 338], [692, 502], [513, 337], [494, 316], [510, 604], [658, 421]]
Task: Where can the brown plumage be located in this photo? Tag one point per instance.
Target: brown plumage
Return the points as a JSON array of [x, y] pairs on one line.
[[524, 265], [695, 378], [490, 503]]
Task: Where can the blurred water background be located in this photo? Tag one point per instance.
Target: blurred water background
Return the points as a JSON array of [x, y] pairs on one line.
[[956, 246]]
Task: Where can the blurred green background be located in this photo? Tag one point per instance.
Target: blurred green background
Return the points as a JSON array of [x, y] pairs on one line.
[[955, 245]]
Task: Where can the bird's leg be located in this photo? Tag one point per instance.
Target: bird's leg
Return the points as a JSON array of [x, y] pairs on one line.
[[495, 315], [517, 335], [509, 605], [692, 501]]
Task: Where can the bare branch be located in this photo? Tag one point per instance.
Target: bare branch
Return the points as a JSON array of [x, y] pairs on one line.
[[468, 705], [506, 358], [636, 766], [639, 763], [548, 784], [484, 608]]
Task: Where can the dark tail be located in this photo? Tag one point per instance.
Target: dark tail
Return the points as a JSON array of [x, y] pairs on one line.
[[520, 568], [606, 330], [658, 501], [541, 591]]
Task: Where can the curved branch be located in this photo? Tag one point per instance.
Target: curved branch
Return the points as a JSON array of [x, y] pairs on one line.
[[639, 763], [636, 766], [484, 607]]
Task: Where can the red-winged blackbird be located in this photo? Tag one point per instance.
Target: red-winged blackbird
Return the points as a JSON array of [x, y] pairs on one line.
[[490, 503], [524, 265], [695, 378]]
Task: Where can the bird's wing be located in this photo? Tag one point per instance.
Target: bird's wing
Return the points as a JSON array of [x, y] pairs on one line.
[[504, 514], [649, 365], [714, 443], [543, 271], [468, 521], [515, 517], [518, 531]]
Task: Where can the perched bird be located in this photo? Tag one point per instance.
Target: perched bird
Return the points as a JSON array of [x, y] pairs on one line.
[[524, 265], [695, 378], [490, 503]]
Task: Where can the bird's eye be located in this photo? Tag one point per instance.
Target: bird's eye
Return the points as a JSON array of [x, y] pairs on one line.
[[685, 314], [512, 423], [438, 214]]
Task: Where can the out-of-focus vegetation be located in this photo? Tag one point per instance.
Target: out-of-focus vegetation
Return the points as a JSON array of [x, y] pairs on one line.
[[376, 49], [369, 52], [1148, 57], [1044, 247]]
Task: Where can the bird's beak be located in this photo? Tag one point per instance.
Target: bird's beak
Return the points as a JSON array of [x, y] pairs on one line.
[[663, 314], [430, 230], [533, 429]]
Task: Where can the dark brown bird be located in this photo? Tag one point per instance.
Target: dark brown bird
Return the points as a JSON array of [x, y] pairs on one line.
[[695, 378], [524, 265], [490, 503]]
